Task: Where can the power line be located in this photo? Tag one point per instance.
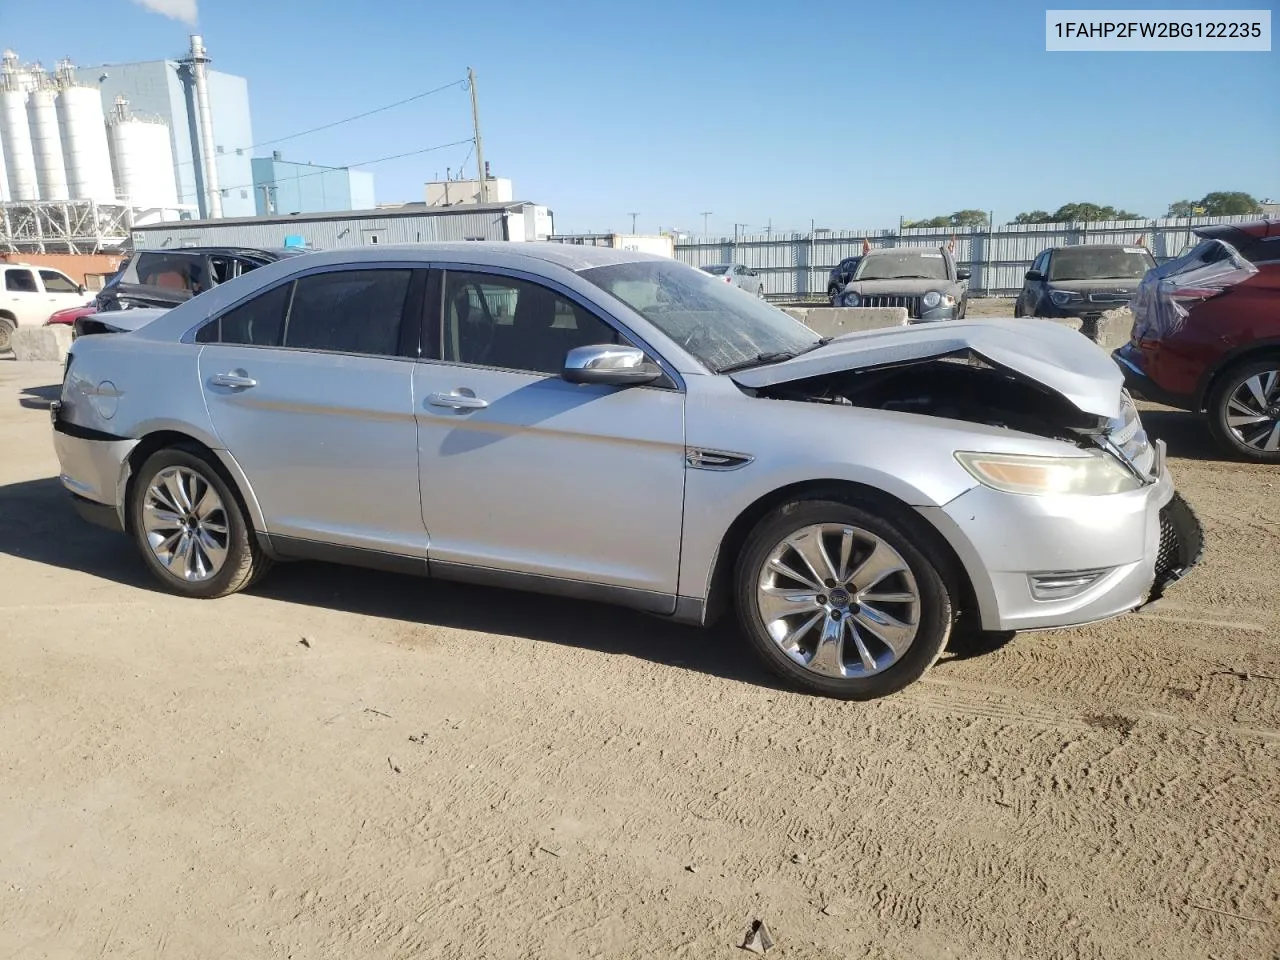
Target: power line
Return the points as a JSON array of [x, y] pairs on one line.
[[363, 163], [359, 116], [337, 123]]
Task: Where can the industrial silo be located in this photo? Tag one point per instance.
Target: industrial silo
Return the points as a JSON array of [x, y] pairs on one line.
[[84, 141], [15, 133], [46, 142], [142, 156]]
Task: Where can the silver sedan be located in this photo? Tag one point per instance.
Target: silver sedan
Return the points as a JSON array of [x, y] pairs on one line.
[[617, 426]]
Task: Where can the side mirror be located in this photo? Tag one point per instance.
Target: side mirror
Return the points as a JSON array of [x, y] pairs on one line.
[[1034, 275], [609, 364], [81, 288], [962, 274]]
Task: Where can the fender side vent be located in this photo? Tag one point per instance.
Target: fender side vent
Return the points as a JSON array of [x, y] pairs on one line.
[[701, 459]]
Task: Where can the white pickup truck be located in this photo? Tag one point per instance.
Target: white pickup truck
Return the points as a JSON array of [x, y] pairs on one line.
[[29, 294]]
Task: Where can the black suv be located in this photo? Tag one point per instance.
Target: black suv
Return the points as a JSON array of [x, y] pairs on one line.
[[1083, 281], [166, 278], [841, 274]]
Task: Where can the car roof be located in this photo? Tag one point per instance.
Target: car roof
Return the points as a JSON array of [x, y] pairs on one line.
[[885, 251], [231, 251], [1098, 246], [570, 256]]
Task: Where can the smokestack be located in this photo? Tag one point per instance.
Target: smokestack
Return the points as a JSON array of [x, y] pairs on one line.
[[208, 155]]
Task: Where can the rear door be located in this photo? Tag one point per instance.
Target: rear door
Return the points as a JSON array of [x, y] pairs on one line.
[[309, 386]]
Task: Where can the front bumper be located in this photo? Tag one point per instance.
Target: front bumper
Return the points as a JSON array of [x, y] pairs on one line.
[[1134, 545], [93, 468]]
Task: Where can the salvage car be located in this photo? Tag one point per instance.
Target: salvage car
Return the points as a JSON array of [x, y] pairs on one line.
[[1206, 336], [840, 276], [1082, 281], [925, 280], [617, 426], [742, 277], [165, 278]]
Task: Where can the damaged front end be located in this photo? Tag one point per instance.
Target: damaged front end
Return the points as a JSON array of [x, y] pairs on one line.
[[1039, 379]]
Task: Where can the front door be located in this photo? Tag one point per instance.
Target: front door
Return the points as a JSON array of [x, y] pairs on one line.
[[523, 472], [309, 387]]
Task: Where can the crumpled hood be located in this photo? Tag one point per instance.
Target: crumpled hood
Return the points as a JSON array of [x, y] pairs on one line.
[[126, 321], [1054, 356], [901, 288]]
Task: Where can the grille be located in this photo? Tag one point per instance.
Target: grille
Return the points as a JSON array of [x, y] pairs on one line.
[[886, 300], [1167, 553]]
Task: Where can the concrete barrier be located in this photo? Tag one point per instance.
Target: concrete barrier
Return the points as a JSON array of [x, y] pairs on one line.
[[41, 343], [836, 321]]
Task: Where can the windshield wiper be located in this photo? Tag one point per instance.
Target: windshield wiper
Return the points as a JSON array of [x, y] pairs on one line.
[[760, 359]]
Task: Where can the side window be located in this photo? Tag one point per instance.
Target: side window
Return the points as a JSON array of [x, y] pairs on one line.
[[348, 311], [740, 271], [55, 282], [256, 323], [504, 322], [20, 281], [172, 272], [244, 266], [222, 268]]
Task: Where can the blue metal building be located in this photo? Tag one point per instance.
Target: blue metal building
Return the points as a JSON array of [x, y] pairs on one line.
[[282, 187]]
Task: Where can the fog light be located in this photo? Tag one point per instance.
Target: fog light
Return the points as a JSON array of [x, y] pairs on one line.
[[1064, 584]]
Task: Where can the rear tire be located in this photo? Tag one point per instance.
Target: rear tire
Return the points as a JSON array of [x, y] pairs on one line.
[[7, 327], [865, 614], [1250, 395], [1017, 309], [191, 528], [833, 294]]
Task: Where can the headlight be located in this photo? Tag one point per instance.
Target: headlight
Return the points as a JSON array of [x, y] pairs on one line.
[[1063, 297], [932, 299], [1092, 475], [851, 299]]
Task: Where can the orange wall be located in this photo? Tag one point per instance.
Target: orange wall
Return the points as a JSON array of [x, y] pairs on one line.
[[91, 269]]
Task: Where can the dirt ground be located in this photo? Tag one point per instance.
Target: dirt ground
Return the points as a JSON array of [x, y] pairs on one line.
[[446, 771]]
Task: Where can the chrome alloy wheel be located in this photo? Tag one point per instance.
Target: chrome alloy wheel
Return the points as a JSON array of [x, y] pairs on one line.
[[1253, 411], [186, 524], [838, 600]]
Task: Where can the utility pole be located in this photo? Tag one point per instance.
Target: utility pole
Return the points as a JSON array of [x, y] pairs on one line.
[[266, 198], [633, 222], [475, 126], [705, 214], [735, 239]]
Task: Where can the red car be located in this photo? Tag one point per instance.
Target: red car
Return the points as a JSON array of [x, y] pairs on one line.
[[1206, 336], [71, 315]]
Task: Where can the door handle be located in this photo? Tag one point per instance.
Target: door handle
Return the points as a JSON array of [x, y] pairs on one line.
[[457, 401], [233, 380]]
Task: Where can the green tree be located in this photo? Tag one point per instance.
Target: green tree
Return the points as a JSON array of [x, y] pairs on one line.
[[961, 218], [1090, 212], [1182, 208], [969, 218], [1035, 216], [1228, 203]]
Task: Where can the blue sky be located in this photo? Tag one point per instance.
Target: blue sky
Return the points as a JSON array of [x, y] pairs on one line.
[[850, 114]]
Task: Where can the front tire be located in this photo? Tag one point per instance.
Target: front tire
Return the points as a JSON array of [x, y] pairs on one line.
[[837, 598], [190, 527], [1244, 411]]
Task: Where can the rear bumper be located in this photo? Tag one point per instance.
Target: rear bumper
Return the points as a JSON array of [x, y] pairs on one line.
[[93, 469], [1129, 359]]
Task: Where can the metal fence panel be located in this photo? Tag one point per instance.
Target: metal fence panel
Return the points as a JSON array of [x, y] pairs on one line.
[[798, 264]]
